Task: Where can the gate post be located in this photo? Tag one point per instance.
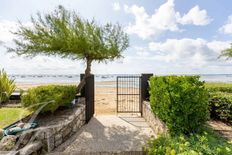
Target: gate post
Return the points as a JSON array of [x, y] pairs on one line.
[[145, 86], [88, 92]]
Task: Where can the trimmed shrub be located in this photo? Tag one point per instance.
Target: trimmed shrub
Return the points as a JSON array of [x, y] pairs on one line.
[[180, 101], [220, 108], [220, 101], [7, 86], [207, 143], [52, 95]]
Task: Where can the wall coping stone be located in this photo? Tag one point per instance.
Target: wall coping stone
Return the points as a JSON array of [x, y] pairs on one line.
[[157, 125]]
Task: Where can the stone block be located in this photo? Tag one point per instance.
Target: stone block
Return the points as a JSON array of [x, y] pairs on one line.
[[31, 148], [7, 143], [66, 132], [58, 139], [50, 144]]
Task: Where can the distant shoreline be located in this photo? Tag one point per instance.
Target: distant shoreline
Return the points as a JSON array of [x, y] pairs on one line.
[[104, 78]]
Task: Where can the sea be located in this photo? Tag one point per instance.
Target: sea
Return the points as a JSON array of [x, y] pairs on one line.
[[72, 78]]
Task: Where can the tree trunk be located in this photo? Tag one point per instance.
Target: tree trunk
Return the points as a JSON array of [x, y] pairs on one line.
[[87, 74], [88, 68]]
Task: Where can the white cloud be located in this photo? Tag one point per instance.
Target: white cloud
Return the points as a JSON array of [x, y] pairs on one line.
[[227, 28], [141, 51], [116, 6], [196, 16], [39, 64], [218, 46], [6, 29], [165, 18], [193, 53]]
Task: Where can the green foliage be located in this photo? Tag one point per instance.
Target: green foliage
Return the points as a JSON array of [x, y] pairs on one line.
[[220, 108], [180, 101], [7, 86], [227, 53], [220, 101], [65, 34], [11, 115], [207, 143], [54, 94]]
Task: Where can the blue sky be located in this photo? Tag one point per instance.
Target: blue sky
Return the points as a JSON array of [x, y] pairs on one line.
[[166, 36]]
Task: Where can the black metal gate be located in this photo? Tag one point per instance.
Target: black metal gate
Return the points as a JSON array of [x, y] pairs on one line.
[[129, 94]]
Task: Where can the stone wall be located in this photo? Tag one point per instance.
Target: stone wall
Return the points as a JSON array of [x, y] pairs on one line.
[[54, 135], [155, 123]]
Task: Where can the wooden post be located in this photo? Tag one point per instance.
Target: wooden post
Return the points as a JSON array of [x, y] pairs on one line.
[[88, 92]]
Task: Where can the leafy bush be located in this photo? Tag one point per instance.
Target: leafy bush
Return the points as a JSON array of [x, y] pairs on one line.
[[220, 101], [180, 101], [207, 143], [54, 95], [221, 108], [7, 86]]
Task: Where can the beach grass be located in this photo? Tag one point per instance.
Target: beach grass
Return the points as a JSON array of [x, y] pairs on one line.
[[11, 115]]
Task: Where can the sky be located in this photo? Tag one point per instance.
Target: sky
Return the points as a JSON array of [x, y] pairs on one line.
[[166, 36]]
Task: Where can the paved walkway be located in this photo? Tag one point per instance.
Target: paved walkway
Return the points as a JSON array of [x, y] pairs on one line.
[[222, 128], [110, 133]]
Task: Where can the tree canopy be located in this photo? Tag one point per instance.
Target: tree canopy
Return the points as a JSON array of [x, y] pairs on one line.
[[64, 33], [227, 53]]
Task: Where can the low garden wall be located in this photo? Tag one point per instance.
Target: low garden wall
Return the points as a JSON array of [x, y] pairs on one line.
[[155, 123], [53, 136], [48, 137]]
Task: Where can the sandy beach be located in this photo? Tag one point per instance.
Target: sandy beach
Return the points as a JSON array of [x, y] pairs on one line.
[[105, 95]]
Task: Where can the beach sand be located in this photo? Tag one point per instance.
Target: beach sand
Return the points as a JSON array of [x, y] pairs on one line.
[[105, 95]]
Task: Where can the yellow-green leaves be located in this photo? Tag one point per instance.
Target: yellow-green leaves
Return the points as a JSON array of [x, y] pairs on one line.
[[205, 143], [53, 96], [220, 101], [180, 101], [66, 34], [7, 86]]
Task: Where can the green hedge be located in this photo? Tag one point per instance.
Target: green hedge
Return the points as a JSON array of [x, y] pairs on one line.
[[220, 108], [207, 143], [180, 101], [56, 95], [220, 101]]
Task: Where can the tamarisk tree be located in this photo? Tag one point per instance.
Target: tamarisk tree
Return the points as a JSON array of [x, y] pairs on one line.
[[227, 53], [64, 33]]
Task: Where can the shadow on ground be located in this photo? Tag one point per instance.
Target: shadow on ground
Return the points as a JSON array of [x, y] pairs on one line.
[[109, 133]]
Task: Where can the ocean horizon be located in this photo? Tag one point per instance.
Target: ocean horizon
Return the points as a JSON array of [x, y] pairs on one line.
[[73, 78]]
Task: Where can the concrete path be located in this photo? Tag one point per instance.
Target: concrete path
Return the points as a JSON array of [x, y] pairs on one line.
[[110, 133], [222, 128]]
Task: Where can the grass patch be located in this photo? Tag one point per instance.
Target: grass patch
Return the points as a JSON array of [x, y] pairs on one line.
[[217, 84], [10, 115], [219, 87]]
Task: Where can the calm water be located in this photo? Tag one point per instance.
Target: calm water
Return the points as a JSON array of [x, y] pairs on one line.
[[38, 79]]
